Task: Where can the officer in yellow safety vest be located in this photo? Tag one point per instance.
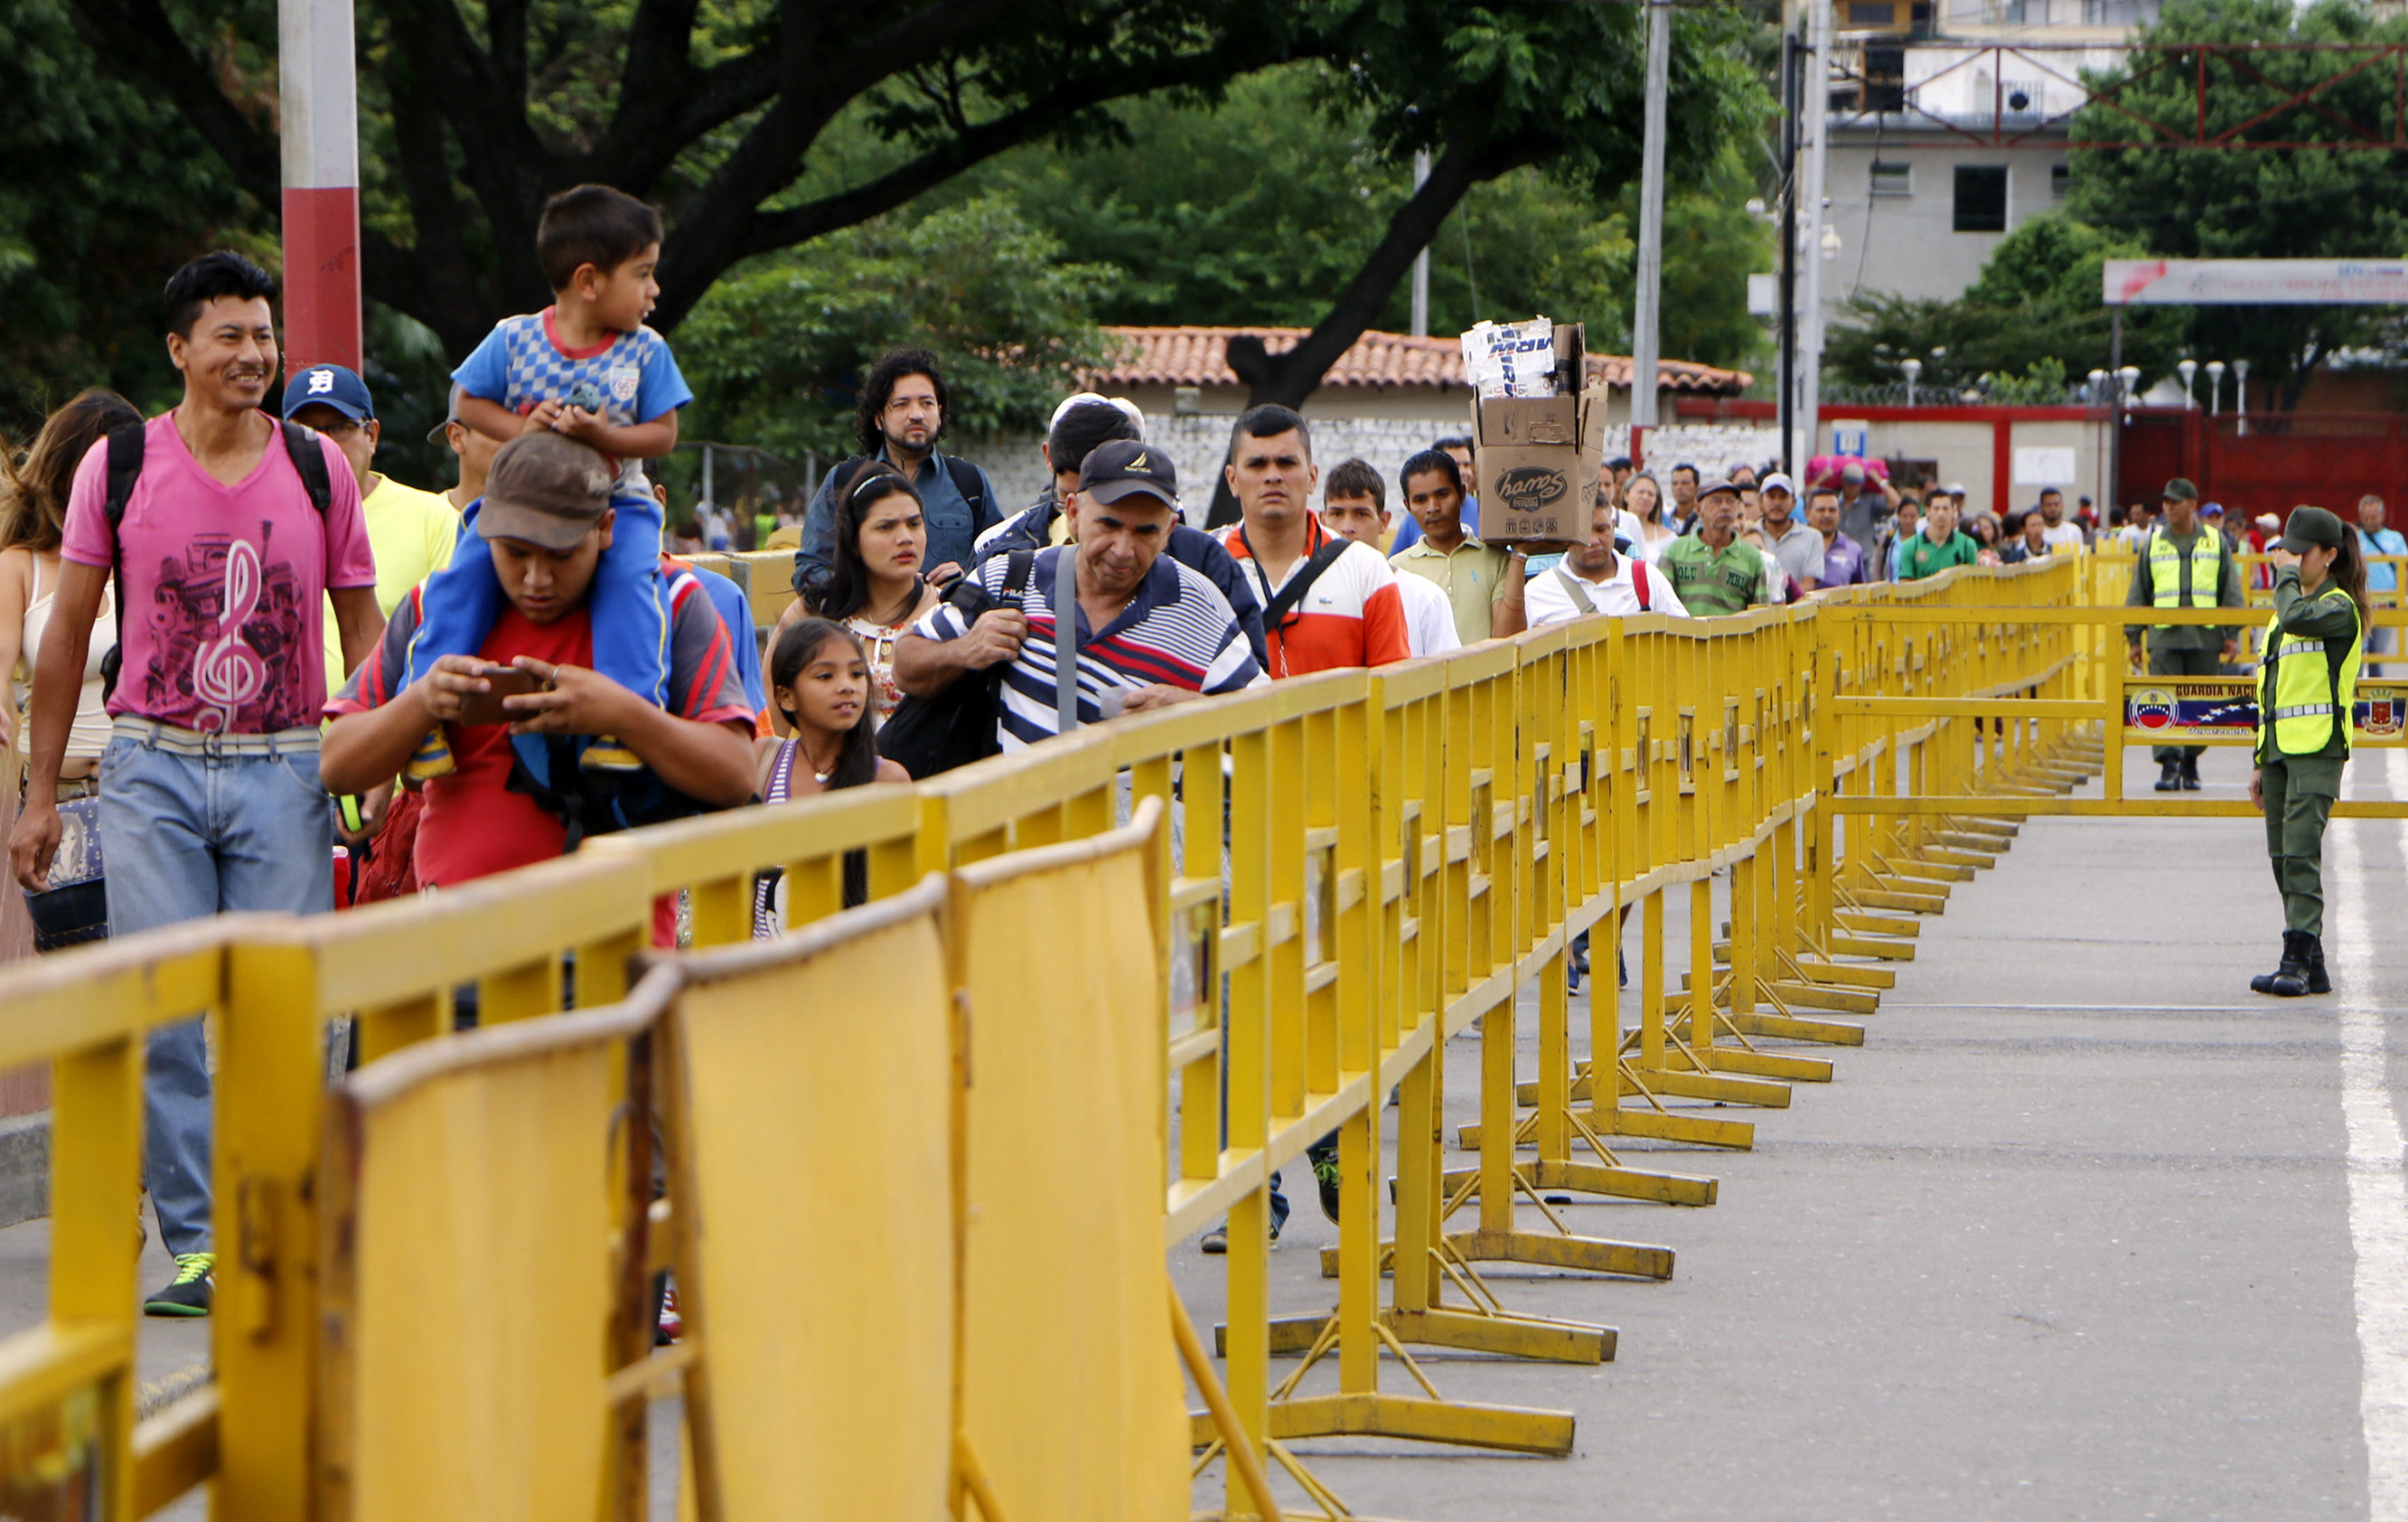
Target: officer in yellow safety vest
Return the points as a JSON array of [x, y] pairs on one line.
[[2307, 688], [2183, 564]]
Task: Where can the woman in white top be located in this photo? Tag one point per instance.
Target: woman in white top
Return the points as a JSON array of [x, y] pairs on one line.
[[874, 589], [32, 515], [1644, 500]]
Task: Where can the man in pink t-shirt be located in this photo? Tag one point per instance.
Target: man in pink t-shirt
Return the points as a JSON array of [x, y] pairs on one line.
[[209, 800]]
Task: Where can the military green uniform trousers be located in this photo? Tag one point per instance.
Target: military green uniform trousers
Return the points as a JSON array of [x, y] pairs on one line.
[[2299, 792], [2181, 663]]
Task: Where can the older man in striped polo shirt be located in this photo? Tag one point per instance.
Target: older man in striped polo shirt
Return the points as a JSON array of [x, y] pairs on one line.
[[1151, 631]]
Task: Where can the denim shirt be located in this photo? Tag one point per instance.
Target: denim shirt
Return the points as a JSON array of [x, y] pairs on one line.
[[953, 527], [2383, 541]]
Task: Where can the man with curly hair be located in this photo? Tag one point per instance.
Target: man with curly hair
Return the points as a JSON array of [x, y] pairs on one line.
[[903, 408]]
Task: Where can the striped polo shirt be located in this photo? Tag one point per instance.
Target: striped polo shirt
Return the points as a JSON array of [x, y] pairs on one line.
[[1178, 631], [1352, 615]]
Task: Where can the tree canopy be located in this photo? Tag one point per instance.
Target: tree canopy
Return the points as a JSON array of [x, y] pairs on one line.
[[2255, 203], [1261, 149]]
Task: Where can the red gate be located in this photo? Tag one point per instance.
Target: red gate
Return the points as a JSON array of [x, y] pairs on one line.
[[2331, 459]]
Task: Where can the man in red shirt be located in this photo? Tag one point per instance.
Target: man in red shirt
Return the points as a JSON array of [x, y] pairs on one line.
[[1329, 602], [546, 521]]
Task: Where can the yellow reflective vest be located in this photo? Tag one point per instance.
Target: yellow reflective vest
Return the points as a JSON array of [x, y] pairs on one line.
[[2305, 684], [2165, 570]]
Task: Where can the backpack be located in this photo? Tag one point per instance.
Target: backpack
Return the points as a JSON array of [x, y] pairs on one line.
[[545, 768], [926, 736], [125, 453]]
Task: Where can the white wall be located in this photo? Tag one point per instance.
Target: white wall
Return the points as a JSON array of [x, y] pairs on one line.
[[1965, 451], [1907, 245]]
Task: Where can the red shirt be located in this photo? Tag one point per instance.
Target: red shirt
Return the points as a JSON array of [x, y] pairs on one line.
[[473, 826], [1352, 615]]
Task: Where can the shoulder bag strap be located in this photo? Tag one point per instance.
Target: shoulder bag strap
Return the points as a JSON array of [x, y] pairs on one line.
[[1301, 583], [1580, 594]]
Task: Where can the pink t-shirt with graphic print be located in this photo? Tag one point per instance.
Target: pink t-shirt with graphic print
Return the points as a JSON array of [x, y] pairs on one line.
[[224, 586]]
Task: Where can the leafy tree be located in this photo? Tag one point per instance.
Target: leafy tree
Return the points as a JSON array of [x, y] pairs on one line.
[[775, 350], [107, 191], [722, 109], [2259, 203], [1248, 212]]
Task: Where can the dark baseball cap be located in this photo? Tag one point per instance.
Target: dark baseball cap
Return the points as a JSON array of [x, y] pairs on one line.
[[2309, 528], [436, 434], [1124, 467], [547, 489], [329, 385], [2179, 490]]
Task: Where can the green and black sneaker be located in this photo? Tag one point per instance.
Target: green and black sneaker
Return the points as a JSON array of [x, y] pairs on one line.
[[188, 1293]]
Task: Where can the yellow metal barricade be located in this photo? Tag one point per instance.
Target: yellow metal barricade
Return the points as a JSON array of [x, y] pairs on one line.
[[1071, 1394], [68, 1443], [1349, 870], [469, 1295], [810, 1091]]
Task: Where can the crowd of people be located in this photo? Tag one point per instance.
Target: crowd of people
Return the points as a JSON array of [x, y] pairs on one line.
[[248, 660]]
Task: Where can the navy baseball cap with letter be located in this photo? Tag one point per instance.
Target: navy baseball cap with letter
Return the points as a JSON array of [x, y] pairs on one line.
[[331, 385], [1123, 468]]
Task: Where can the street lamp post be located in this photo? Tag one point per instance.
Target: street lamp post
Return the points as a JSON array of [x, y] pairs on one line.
[[2214, 386], [2240, 397], [2188, 369], [321, 142], [1913, 367]]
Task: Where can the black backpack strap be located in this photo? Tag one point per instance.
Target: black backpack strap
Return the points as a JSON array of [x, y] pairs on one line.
[[126, 446], [966, 481], [1301, 583], [1016, 572], [309, 458]]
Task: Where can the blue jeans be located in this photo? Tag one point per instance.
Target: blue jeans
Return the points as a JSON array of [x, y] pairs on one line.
[[182, 838], [631, 626]]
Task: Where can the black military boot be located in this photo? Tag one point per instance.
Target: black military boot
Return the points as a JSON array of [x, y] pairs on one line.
[[2190, 774], [2170, 777], [2317, 982], [2290, 980]]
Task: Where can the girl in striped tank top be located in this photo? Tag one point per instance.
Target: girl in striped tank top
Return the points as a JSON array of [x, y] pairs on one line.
[[818, 681]]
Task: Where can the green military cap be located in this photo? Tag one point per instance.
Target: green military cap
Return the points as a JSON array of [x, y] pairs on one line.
[[2179, 490], [2310, 527]]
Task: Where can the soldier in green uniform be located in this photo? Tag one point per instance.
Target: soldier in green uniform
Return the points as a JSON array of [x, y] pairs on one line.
[[2307, 688], [1714, 570], [2183, 564]]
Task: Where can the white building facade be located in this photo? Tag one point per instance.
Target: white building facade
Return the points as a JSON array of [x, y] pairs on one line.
[[1948, 125]]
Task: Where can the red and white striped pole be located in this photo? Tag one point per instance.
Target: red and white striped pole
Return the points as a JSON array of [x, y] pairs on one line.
[[320, 107]]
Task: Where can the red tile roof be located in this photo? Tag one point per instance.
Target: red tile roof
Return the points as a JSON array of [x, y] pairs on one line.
[[1198, 356]]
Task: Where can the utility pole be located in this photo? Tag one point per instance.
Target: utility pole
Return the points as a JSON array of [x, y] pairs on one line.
[[1647, 301], [319, 109], [1790, 56], [1815, 87], [1420, 260]]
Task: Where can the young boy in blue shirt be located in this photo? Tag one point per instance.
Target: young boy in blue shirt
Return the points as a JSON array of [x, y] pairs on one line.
[[588, 367]]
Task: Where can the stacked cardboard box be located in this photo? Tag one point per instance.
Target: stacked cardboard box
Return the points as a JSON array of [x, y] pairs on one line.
[[1536, 458]]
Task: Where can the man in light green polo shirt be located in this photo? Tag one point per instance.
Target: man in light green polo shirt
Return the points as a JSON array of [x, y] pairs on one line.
[[1714, 570], [1482, 582]]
